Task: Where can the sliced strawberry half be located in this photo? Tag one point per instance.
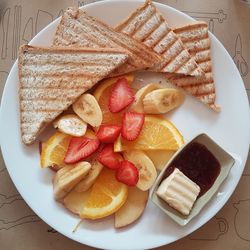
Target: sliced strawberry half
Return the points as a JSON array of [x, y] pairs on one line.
[[121, 96], [80, 148], [127, 173], [132, 125], [108, 157], [108, 133]]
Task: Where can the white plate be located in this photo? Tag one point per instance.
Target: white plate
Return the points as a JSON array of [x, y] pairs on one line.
[[230, 129]]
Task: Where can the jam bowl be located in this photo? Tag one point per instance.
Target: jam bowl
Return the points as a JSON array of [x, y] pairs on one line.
[[204, 163]]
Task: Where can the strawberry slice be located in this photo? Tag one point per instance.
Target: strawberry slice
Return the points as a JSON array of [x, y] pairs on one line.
[[121, 96], [80, 148], [108, 133], [108, 157], [127, 173], [132, 125]]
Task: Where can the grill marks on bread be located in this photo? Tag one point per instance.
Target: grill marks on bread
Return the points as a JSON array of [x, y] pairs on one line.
[[148, 26], [51, 79], [79, 29], [196, 39]]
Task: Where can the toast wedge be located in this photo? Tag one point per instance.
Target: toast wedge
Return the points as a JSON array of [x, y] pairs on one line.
[[196, 39], [51, 79], [78, 29], [147, 25]]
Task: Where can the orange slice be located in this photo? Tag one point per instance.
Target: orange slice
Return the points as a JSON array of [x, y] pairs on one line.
[[106, 196], [157, 134], [102, 94], [54, 150]]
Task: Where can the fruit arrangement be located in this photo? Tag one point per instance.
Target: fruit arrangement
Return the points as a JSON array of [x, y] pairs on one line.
[[106, 153]]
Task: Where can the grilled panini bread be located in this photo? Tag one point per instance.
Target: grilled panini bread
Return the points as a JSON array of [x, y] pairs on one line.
[[196, 39], [148, 26], [79, 29], [51, 79]]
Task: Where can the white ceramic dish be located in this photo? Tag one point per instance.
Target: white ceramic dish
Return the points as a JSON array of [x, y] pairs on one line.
[[226, 162], [230, 129]]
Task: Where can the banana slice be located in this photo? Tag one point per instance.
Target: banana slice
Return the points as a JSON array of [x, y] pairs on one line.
[[88, 109], [71, 125], [162, 100], [147, 171], [88, 181], [66, 178], [140, 94]]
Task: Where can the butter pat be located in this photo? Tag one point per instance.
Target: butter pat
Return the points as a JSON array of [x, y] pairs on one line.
[[179, 192]]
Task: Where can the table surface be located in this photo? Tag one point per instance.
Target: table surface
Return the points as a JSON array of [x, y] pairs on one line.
[[229, 20]]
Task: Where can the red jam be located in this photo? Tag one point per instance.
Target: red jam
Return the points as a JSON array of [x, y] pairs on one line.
[[198, 164]]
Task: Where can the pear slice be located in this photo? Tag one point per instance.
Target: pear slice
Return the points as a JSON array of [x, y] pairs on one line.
[[74, 201], [160, 158], [132, 208]]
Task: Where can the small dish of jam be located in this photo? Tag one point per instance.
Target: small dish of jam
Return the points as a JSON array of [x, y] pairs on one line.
[[204, 163]]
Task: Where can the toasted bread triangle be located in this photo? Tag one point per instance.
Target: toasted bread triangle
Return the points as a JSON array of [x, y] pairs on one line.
[[79, 29], [196, 39], [147, 25], [51, 79]]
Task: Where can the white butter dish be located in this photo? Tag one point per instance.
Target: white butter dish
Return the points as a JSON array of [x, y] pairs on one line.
[[225, 160]]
